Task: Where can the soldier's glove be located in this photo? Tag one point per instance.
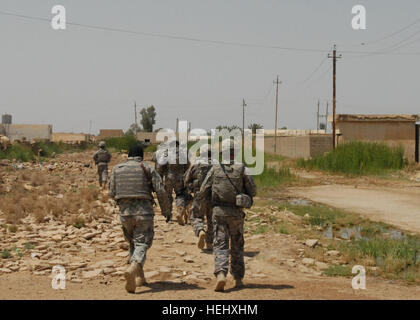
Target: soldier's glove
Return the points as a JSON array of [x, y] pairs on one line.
[[169, 217]]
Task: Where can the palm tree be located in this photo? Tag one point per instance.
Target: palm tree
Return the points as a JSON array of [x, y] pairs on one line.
[[254, 127]]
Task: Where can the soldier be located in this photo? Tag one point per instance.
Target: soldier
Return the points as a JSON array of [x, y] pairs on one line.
[[230, 189], [102, 157], [194, 178], [173, 173], [131, 185]]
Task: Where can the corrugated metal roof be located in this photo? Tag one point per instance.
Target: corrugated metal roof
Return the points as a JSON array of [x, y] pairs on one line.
[[376, 117]]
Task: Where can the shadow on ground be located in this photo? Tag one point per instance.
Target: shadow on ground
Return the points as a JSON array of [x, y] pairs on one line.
[[261, 286], [160, 286]]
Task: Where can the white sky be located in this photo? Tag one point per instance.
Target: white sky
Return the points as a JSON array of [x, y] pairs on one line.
[[69, 77]]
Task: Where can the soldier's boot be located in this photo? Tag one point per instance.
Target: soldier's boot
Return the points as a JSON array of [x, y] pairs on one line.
[[180, 215], [130, 277], [201, 239], [239, 283], [140, 278], [220, 282]]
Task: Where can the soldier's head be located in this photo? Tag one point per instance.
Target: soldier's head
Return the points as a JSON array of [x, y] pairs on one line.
[[102, 144], [205, 151], [229, 146], [135, 151]]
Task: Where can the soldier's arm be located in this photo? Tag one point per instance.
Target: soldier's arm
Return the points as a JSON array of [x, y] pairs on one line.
[[189, 176], [112, 190], [161, 193], [95, 157], [205, 192], [249, 183]]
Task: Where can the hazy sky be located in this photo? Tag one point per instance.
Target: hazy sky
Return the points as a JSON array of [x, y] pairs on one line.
[[69, 77]]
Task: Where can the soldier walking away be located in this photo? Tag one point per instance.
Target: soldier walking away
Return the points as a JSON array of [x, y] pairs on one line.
[[194, 178], [102, 157], [131, 185], [173, 173], [230, 188]]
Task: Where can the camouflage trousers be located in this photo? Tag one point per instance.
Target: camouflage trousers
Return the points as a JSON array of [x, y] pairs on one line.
[[177, 186], [102, 173], [136, 217], [229, 229], [197, 220]]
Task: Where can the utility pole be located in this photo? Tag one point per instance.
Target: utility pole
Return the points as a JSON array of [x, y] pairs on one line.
[[243, 120], [135, 113], [317, 118], [326, 119], [334, 57], [277, 82]]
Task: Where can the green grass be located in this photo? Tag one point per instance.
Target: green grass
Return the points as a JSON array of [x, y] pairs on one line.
[[19, 152], [121, 143], [273, 178], [358, 158], [5, 254], [338, 271], [29, 245]]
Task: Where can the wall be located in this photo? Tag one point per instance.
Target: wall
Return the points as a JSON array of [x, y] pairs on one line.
[[299, 146], [30, 132], [393, 133], [69, 137], [143, 136]]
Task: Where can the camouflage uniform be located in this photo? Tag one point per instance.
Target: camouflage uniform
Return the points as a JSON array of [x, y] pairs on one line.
[[173, 174], [102, 157], [194, 178], [131, 185], [228, 220]]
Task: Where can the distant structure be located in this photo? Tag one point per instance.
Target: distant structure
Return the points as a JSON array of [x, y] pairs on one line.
[[6, 119], [24, 132], [109, 133], [392, 129], [70, 138]]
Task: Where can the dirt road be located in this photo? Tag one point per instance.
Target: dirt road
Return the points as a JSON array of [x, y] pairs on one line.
[[95, 255], [397, 206]]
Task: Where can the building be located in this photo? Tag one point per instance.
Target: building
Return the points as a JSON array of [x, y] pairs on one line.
[[109, 133], [27, 132], [148, 137], [392, 129], [297, 144], [70, 138]]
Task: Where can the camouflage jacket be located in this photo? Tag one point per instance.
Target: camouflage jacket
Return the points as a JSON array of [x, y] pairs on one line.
[[154, 183], [102, 156], [205, 193]]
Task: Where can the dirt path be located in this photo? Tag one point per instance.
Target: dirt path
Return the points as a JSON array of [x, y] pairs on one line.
[[95, 255], [397, 206]]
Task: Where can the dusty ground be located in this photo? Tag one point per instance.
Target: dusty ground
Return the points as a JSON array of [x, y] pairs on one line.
[[396, 202], [95, 257]]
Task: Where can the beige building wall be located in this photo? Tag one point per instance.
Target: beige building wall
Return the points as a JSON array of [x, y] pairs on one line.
[[393, 133], [147, 137], [299, 146], [29, 132], [69, 137]]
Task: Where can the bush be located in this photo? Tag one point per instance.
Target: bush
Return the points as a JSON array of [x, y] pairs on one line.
[[358, 158], [121, 143]]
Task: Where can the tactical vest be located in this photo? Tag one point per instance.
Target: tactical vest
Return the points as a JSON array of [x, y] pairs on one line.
[[131, 181], [103, 156], [223, 192], [202, 170]]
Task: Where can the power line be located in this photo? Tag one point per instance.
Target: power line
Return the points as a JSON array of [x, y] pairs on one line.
[[191, 39], [313, 72]]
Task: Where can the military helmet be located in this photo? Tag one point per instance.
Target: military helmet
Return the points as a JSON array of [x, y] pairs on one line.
[[229, 145], [102, 144]]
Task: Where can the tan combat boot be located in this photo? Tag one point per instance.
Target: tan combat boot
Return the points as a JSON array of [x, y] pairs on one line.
[[130, 276], [201, 239], [239, 283], [140, 278], [180, 215], [220, 282]]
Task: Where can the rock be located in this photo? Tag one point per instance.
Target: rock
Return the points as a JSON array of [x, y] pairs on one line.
[[5, 270], [179, 241], [57, 238], [75, 280], [122, 254], [308, 261], [28, 187], [104, 264], [151, 274], [188, 259], [89, 235], [321, 265], [332, 253], [306, 216], [181, 253], [92, 274], [311, 243], [109, 270]]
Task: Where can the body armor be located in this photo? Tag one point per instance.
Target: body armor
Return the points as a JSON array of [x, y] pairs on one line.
[[223, 192], [131, 181], [103, 156]]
